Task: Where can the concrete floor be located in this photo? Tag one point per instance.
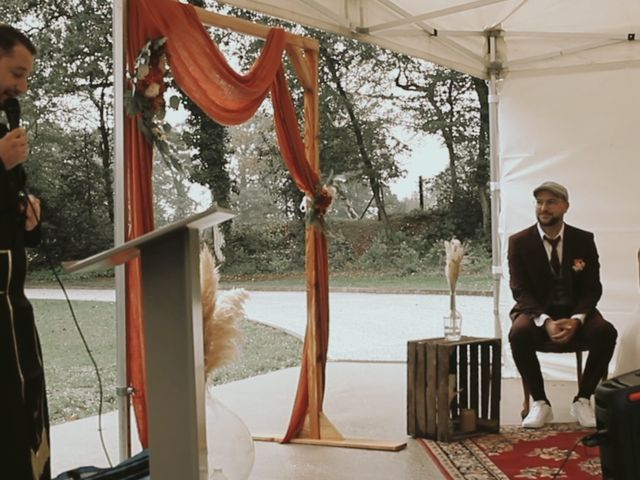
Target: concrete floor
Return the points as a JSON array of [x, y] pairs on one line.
[[363, 400]]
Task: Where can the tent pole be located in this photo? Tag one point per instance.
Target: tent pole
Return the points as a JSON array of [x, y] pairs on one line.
[[496, 269], [122, 389], [494, 161]]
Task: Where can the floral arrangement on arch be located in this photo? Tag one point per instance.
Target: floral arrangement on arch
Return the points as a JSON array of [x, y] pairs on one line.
[[146, 99], [316, 207]]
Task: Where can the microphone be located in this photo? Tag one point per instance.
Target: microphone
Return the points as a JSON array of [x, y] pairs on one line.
[[12, 109]]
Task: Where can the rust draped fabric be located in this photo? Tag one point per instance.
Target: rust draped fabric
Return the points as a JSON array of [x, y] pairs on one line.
[[203, 74]]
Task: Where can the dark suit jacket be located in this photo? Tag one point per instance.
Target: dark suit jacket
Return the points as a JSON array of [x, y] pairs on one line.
[[531, 277]]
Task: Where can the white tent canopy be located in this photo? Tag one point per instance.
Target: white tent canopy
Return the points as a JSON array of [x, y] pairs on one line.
[[565, 95], [534, 37]]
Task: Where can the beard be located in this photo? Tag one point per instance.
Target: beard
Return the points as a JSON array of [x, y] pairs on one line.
[[550, 222]]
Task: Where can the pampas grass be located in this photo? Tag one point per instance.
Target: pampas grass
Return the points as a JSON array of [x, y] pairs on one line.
[[454, 251], [220, 316]]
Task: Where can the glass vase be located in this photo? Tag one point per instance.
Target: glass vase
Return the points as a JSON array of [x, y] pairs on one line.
[[230, 449], [452, 326]]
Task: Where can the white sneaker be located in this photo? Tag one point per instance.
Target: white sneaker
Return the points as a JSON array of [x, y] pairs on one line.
[[582, 411], [539, 414]]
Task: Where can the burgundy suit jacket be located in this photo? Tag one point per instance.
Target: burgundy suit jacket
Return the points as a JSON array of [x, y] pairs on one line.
[[531, 277]]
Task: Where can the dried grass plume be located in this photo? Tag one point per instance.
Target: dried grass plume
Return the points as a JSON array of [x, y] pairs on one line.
[[455, 252], [220, 316]]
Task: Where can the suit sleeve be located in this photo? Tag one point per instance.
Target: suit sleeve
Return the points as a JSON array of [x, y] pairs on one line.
[[588, 280], [519, 281]]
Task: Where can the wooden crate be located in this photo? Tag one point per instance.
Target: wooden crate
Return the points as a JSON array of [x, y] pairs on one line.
[[436, 370]]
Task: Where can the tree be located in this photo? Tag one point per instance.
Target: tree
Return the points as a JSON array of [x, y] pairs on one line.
[[358, 125], [73, 79], [75, 210], [210, 141], [455, 107], [68, 116], [356, 140], [171, 186], [265, 190]]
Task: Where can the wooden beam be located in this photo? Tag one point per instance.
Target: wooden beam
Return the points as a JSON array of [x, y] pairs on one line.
[[362, 444], [256, 30], [358, 443]]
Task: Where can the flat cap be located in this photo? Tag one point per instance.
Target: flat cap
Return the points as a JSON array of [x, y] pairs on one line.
[[554, 188]]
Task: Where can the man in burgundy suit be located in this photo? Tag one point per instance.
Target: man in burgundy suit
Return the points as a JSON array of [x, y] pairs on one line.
[[555, 280]]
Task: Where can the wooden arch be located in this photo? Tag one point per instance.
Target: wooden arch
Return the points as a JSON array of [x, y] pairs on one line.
[[183, 26]]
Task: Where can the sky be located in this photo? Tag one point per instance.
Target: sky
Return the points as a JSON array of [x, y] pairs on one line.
[[427, 158]]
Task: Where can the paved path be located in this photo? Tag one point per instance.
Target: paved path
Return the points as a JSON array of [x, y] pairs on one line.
[[366, 326], [363, 326]]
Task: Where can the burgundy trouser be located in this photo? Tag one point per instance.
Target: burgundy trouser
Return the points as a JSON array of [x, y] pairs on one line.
[[598, 335]]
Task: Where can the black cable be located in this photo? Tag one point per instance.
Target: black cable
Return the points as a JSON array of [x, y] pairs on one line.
[[78, 328], [582, 439]]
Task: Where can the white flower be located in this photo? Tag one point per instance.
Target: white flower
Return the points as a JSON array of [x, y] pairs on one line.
[[152, 91]]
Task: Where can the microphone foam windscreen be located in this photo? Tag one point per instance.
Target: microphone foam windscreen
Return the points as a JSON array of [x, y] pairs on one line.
[[12, 108]]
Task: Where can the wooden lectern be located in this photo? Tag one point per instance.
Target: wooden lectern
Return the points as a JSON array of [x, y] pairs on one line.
[[173, 340]]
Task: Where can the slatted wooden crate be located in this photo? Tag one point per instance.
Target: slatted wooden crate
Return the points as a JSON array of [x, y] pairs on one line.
[[469, 370]]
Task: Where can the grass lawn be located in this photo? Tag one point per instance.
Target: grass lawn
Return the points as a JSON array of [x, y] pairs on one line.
[[72, 386]]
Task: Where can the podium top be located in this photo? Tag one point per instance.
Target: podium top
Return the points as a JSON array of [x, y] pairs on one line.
[[131, 249]]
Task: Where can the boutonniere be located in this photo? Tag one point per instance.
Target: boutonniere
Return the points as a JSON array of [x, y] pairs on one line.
[[578, 265]]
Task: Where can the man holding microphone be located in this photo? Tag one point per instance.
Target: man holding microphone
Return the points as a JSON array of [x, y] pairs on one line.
[[24, 418]]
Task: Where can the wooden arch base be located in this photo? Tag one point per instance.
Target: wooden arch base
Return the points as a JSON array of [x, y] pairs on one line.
[[330, 437]]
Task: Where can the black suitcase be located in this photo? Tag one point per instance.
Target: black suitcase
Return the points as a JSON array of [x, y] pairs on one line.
[[134, 468]]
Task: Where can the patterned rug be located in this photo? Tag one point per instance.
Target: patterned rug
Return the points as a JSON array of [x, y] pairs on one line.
[[516, 453]]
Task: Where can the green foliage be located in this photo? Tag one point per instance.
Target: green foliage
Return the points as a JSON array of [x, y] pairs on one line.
[[171, 187], [413, 245], [393, 251], [341, 253], [210, 141], [263, 249], [65, 172], [457, 111], [459, 209]]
